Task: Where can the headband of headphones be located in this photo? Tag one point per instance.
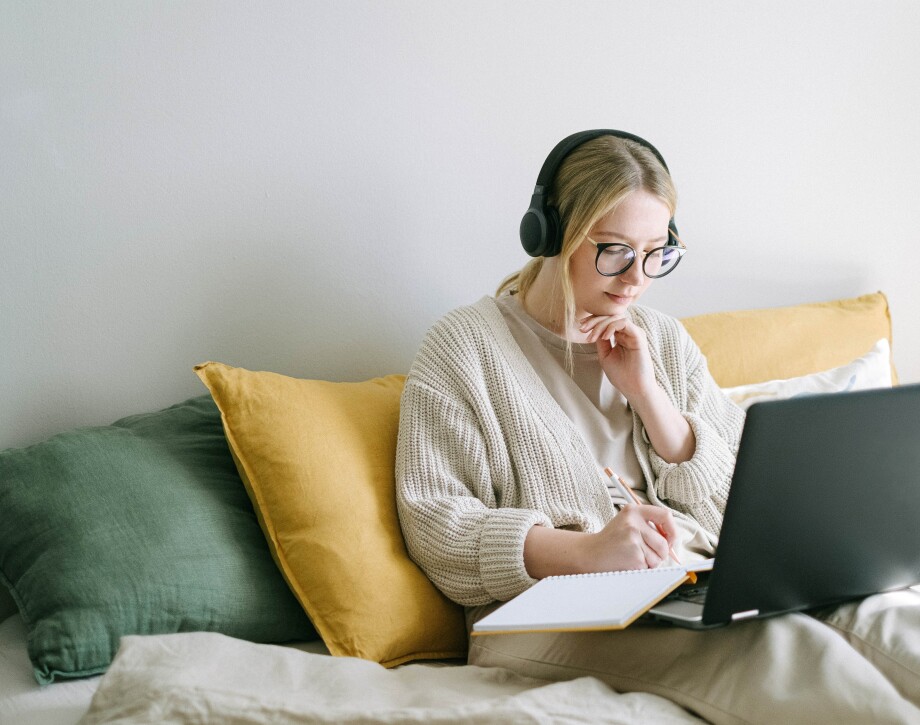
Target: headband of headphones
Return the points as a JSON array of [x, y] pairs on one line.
[[541, 228]]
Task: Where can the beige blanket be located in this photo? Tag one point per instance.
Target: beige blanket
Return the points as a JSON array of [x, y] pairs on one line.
[[211, 678]]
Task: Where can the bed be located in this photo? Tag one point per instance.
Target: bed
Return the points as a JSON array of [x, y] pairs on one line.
[[182, 565]]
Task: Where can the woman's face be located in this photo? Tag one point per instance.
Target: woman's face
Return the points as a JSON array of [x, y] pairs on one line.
[[641, 221]]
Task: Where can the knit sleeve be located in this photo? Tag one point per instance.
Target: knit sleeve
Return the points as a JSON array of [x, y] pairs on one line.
[[699, 486], [454, 528]]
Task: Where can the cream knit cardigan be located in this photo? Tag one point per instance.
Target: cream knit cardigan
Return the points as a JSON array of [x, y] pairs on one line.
[[485, 452]]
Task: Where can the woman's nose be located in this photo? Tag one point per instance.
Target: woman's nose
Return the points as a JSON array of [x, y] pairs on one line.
[[634, 275]]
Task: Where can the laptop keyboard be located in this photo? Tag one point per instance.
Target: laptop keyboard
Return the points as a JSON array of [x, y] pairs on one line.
[[697, 595]]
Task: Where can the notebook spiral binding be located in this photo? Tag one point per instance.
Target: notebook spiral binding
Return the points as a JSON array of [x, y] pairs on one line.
[[614, 573]]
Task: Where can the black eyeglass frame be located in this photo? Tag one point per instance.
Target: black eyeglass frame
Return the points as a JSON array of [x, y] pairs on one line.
[[680, 248]]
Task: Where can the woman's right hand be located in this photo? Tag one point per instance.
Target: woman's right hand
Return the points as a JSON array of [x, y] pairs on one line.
[[629, 542]]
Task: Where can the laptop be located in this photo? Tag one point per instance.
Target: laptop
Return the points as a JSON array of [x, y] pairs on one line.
[[824, 507]]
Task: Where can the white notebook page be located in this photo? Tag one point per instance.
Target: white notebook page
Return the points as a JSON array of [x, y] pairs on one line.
[[609, 600]]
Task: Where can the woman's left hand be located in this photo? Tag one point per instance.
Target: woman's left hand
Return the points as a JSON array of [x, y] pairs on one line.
[[623, 353]]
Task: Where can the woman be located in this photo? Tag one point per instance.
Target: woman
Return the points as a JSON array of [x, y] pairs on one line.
[[516, 404]]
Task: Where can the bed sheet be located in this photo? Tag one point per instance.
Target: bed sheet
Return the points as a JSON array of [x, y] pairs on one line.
[[22, 699], [202, 676], [24, 702], [181, 677]]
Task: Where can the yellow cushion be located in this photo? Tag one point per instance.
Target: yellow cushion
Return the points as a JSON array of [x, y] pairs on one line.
[[318, 460], [752, 346]]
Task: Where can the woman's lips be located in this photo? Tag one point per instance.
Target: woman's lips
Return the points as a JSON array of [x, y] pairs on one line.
[[619, 299]]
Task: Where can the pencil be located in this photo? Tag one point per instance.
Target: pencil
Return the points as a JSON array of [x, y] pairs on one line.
[[623, 486]]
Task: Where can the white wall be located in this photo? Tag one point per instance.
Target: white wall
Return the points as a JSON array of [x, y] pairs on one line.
[[305, 186]]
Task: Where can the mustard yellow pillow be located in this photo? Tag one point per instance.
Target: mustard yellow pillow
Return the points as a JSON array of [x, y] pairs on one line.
[[317, 459], [753, 346]]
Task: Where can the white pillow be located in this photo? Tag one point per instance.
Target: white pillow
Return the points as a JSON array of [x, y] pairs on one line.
[[872, 370]]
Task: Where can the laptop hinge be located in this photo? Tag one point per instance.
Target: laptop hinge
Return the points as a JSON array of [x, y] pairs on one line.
[[745, 615]]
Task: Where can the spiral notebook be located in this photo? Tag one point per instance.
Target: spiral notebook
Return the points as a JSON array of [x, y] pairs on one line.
[[583, 602]]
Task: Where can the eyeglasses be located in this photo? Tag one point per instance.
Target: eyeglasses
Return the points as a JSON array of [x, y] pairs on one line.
[[615, 258]]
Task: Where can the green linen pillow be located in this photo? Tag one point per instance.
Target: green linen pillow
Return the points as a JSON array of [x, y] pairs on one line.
[[140, 527]]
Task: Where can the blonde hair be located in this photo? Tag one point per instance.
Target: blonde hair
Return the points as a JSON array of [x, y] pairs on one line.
[[590, 183]]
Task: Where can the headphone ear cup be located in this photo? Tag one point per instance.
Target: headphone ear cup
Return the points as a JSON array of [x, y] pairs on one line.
[[553, 232], [540, 231], [533, 229]]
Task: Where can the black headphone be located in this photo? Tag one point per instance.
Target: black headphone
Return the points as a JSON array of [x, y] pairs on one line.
[[541, 227]]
